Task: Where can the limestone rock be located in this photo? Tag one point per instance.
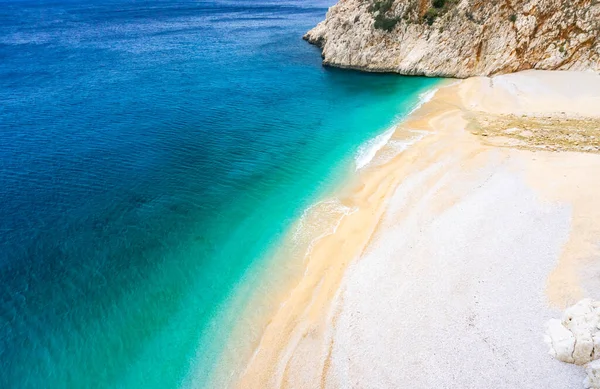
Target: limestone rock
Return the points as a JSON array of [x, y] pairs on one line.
[[561, 341], [576, 339], [592, 369], [460, 38]]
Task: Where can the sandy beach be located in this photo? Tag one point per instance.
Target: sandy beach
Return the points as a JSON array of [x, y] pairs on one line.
[[457, 250]]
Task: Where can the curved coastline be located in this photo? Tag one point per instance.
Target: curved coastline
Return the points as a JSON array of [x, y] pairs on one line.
[[267, 283], [344, 320]]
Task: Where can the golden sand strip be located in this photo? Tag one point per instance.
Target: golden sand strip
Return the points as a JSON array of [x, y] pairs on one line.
[[302, 319], [296, 347]]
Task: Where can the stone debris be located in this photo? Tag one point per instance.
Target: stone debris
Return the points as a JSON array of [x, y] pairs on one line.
[[576, 338]]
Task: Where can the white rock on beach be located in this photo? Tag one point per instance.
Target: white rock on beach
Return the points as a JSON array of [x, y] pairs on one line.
[[592, 370], [576, 338], [560, 340]]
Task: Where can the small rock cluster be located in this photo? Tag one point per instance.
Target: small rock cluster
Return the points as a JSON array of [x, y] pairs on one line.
[[576, 339]]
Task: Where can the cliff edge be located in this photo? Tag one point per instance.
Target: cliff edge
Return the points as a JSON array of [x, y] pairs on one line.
[[460, 38]]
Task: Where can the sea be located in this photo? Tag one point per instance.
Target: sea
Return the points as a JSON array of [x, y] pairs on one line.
[[153, 155]]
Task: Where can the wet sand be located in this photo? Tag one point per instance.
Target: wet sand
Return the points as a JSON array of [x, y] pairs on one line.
[[456, 252]]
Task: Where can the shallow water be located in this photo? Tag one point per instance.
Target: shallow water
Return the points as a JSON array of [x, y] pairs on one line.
[[150, 154]]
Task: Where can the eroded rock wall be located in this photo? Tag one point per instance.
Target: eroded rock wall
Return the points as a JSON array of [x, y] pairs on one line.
[[460, 38]]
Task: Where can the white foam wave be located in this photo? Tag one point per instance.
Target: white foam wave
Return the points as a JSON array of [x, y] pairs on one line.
[[381, 151], [397, 146], [424, 98], [367, 151], [320, 220]]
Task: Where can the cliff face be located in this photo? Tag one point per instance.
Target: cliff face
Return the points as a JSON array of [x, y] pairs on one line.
[[460, 38]]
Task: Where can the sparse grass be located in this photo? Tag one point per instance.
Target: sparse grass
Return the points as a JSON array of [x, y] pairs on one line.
[[555, 132], [379, 8], [385, 20], [386, 24], [438, 9], [431, 15]]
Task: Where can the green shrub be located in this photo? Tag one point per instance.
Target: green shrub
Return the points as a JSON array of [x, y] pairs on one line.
[[513, 18], [384, 23], [439, 3], [430, 15], [381, 5]]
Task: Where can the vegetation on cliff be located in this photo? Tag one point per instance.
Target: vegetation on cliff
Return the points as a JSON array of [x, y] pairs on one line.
[[460, 38]]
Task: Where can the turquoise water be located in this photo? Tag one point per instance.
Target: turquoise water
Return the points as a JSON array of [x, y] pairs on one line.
[[150, 154]]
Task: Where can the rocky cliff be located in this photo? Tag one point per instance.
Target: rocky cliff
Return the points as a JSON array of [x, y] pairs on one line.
[[460, 38]]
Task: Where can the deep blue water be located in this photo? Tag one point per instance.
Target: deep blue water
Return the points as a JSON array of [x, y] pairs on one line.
[[150, 153]]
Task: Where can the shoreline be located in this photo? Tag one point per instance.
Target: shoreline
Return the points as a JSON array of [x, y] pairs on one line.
[[288, 259], [306, 309], [315, 339]]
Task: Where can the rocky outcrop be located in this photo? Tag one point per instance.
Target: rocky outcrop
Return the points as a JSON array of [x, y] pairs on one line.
[[576, 339], [460, 38]]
